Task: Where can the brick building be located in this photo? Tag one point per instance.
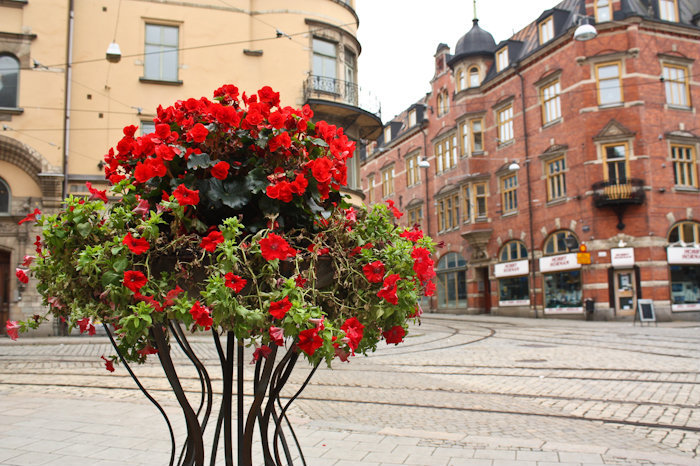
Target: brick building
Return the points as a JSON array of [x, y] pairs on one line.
[[527, 149]]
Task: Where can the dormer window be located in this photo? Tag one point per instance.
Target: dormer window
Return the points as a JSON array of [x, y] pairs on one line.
[[502, 59], [443, 103], [546, 30], [603, 11], [412, 118], [474, 77], [668, 10], [387, 134]]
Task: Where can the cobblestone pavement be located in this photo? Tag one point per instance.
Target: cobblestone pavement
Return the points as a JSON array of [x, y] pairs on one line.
[[462, 390]]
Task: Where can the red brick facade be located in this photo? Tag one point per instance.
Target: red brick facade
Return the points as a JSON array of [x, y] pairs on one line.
[[583, 121]]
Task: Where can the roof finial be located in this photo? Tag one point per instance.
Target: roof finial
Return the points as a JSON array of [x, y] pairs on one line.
[[475, 17]]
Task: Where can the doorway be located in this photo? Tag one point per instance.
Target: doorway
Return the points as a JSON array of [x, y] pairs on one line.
[[625, 292], [4, 289]]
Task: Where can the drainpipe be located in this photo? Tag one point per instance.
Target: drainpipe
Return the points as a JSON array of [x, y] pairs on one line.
[[533, 295], [427, 173], [67, 96]]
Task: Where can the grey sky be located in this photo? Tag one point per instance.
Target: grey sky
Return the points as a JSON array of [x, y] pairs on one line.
[[399, 39]]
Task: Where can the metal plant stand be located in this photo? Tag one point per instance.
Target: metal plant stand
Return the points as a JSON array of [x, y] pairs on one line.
[[266, 410]]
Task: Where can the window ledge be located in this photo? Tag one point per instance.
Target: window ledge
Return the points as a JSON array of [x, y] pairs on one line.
[[686, 189], [612, 105], [682, 108], [552, 123], [505, 144], [481, 220], [509, 214], [477, 153], [557, 201], [11, 110], [160, 81]]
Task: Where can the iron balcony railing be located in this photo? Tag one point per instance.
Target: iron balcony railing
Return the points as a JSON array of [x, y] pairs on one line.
[[618, 192], [346, 92]]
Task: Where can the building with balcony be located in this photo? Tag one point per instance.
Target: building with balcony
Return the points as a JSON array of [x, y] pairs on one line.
[[64, 102], [542, 143]]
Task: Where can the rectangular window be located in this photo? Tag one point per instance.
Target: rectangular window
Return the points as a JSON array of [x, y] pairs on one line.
[[602, 11], [505, 124], [562, 292], [455, 149], [467, 203], [502, 59], [514, 291], [477, 135], [546, 30], [147, 127], [160, 52], [448, 212], [551, 105], [615, 163], [685, 170], [509, 185], [387, 135], [556, 179], [464, 138], [411, 118], [351, 89], [676, 83], [446, 154], [415, 215], [480, 196], [388, 181], [324, 66], [609, 78], [668, 10], [438, 159], [370, 190], [412, 170]]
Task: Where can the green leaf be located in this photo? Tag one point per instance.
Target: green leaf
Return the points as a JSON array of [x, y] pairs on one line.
[[110, 278], [117, 249], [84, 229], [256, 180], [261, 142], [120, 264], [233, 194], [199, 161], [318, 142]]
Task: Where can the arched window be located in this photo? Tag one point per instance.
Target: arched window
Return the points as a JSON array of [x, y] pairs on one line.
[[513, 251], [685, 233], [452, 281], [512, 273], [474, 77], [560, 242], [461, 82], [4, 197], [9, 81]]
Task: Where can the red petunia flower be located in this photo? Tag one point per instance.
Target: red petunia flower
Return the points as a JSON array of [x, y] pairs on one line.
[[235, 282], [394, 335], [300, 281], [220, 170], [12, 328], [96, 193], [278, 309], [22, 276], [27, 261], [186, 196], [85, 325], [354, 331], [397, 213], [276, 335], [201, 315], [412, 235], [423, 264], [171, 295], [210, 241], [374, 271], [263, 351], [37, 245], [388, 291], [146, 350], [134, 280], [109, 365], [136, 245], [276, 247], [309, 341], [198, 133], [430, 289], [31, 217]]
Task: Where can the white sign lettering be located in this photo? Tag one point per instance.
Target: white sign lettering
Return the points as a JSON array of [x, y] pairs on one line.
[[519, 302], [563, 310], [683, 255], [511, 269], [685, 307], [558, 263], [622, 257]]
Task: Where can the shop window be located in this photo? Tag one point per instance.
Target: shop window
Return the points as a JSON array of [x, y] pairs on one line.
[[505, 124], [616, 161], [677, 87], [474, 77], [324, 65], [546, 30], [160, 52], [685, 287], [668, 10], [448, 212], [452, 281], [9, 81], [502, 59], [685, 169], [509, 193], [4, 197], [563, 291], [603, 11], [412, 170], [388, 182], [685, 233], [560, 242], [512, 273], [556, 179], [609, 79], [551, 102]]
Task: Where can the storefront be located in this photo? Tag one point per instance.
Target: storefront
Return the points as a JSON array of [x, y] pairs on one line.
[[685, 278], [624, 281], [513, 287], [562, 284]]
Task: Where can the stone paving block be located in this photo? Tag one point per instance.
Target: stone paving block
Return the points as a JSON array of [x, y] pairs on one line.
[[652, 457], [469, 462], [423, 460], [580, 457], [72, 461], [354, 454], [536, 456], [12, 441], [378, 446], [385, 457], [494, 454], [511, 463], [454, 452], [574, 447], [352, 463], [111, 453], [29, 459]]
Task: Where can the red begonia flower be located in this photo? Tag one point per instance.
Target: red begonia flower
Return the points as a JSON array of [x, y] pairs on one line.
[[198, 133], [235, 282], [186, 196], [31, 217], [220, 170], [276, 247], [22, 276], [281, 140], [374, 271], [430, 289], [394, 335], [321, 169], [201, 315], [278, 309], [134, 280], [136, 245], [210, 241], [12, 328], [309, 341]]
